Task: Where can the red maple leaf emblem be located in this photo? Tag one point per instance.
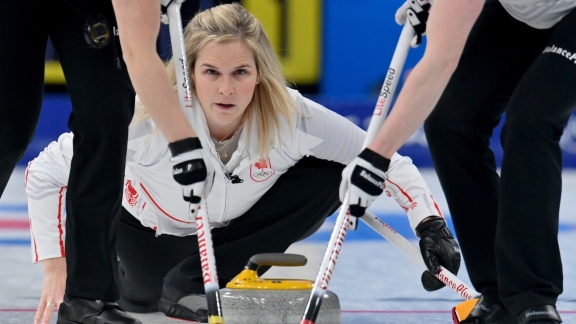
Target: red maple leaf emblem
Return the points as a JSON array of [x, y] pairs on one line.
[[261, 164]]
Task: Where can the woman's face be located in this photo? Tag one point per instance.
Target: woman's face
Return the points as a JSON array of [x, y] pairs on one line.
[[225, 78]]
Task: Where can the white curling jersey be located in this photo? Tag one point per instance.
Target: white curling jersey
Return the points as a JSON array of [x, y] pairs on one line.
[[155, 198]]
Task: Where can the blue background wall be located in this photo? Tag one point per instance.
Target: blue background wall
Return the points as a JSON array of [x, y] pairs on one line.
[[358, 44]]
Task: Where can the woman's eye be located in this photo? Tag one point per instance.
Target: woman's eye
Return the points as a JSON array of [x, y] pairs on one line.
[[211, 71], [241, 71]]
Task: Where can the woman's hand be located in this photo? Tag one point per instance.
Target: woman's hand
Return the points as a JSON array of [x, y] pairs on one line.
[[52, 289]]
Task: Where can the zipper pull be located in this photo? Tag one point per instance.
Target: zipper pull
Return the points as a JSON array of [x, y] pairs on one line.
[[234, 178]]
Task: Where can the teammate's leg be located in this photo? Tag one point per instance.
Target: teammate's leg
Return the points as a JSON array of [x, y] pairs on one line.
[[23, 41]]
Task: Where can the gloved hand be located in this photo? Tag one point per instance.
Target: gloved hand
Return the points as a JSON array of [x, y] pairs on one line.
[[366, 176], [190, 170], [438, 247], [416, 12]]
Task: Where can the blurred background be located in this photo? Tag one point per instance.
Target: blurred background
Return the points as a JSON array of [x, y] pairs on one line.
[[334, 51]]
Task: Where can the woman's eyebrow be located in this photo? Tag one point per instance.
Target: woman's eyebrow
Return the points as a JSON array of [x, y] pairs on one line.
[[241, 66]]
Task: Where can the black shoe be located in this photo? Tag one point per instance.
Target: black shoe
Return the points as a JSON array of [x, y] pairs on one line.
[[177, 304], [487, 312], [85, 311], [545, 314]]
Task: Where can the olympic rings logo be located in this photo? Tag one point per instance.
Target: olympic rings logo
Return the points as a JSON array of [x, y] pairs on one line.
[[262, 174]]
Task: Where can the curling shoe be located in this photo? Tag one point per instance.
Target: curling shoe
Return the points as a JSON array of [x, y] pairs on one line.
[[546, 314], [487, 312], [177, 304], [86, 311]]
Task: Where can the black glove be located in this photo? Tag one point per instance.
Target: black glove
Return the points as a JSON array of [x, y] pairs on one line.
[[189, 170], [438, 247], [364, 177]]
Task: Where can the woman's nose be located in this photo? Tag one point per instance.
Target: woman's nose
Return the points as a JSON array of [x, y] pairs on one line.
[[226, 87]]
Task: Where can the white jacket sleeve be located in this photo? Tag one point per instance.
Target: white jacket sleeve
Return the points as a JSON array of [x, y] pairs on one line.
[[406, 185], [327, 135], [46, 184]]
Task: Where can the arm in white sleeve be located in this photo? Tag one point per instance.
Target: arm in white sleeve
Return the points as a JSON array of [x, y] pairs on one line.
[[46, 184], [406, 185], [327, 135]]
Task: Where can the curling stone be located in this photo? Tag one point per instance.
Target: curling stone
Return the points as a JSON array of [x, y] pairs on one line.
[[249, 299]]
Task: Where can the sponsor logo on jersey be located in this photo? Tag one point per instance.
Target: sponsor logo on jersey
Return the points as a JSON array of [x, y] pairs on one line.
[[571, 56]]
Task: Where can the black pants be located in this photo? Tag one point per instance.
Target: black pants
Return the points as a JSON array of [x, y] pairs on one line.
[[102, 107], [294, 208], [507, 224]]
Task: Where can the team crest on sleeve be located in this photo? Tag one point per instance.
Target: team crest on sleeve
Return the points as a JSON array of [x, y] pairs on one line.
[[261, 170], [131, 193]]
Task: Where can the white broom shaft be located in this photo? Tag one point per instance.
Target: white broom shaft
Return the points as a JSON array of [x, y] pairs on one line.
[[390, 83], [179, 58], [387, 92], [340, 228], [326, 268], [447, 277], [205, 244], [208, 264]]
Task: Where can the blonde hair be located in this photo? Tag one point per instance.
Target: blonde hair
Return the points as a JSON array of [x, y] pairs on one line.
[[271, 97]]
